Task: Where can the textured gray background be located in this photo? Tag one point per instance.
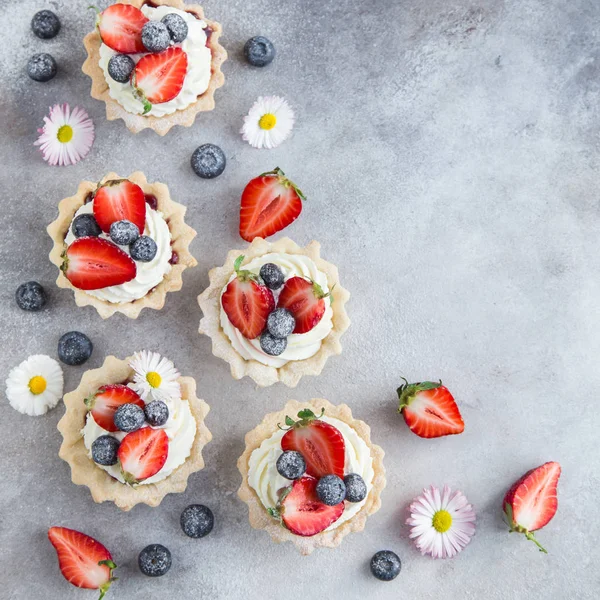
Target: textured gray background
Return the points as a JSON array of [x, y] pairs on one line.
[[449, 152]]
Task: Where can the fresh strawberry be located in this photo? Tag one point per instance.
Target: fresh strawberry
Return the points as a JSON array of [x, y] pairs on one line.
[[117, 200], [270, 202], [531, 502], [83, 561], [429, 409], [120, 27], [159, 77], [247, 303], [143, 453], [92, 263], [321, 444], [302, 512], [104, 403], [305, 299]]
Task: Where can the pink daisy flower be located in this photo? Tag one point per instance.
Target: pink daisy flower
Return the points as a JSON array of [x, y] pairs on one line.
[[67, 136], [441, 524]]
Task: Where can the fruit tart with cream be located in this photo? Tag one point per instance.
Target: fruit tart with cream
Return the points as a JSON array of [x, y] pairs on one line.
[[121, 244], [133, 430], [311, 478], [155, 63], [275, 311]]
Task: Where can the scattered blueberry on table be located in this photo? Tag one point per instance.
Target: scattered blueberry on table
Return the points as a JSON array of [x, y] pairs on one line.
[[197, 521], [154, 560], [208, 161], [31, 296], [259, 51], [385, 565], [45, 24], [42, 67], [74, 348]]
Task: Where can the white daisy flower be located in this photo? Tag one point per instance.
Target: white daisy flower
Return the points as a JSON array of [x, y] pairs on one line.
[[67, 136], [441, 524], [155, 377], [269, 122], [35, 386]]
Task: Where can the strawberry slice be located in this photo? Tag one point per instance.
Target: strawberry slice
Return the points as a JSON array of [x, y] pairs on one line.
[[301, 510], [117, 200], [305, 300], [429, 409], [143, 453], [120, 27], [92, 263], [247, 303], [321, 444], [531, 502], [83, 561], [104, 403], [270, 202], [159, 77]]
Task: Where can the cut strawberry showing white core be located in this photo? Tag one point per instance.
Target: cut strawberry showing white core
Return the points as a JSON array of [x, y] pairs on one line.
[[305, 299], [105, 402], [531, 502], [142, 454], [120, 27], [118, 200]]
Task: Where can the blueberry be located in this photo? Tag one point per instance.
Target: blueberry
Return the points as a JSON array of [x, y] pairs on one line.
[[124, 232], [104, 450], [41, 67], [281, 323], [331, 490], [155, 36], [45, 24], [272, 276], [143, 249], [197, 520], [129, 417], [291, 464], [154, 560], [120, 67], [356, 488], [259, 51], [74, 348], [208, 161], [385, 565], [176, 26], [85, 225], [157, 413], [272, 345], [30, 296]]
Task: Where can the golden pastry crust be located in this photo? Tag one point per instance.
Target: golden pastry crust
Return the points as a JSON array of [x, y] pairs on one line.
[[161, 125], [181, 237], [291, 372], [260, 519], [85, 472]]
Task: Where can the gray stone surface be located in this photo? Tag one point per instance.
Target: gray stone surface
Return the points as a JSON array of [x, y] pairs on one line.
[[449, 152]]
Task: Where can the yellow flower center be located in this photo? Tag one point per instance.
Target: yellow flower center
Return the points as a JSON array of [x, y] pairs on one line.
[[154, 379], [65, 134], [267, 121], [37, 385], [442, 521]]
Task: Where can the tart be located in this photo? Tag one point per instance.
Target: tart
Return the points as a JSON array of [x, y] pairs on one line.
[[193, 63], [334, 446], [133, 430], [114, 276], [281, 332]]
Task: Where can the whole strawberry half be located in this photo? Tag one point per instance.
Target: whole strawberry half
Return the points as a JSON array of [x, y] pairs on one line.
[[305, 299], [531, 502], [321, 444], [246, 302], [143, 453], [105, 402], [118, 200], [429, 409], [92, 263], [270, 202], [83, 561], [120, 27], [302, 512], [159, 77]]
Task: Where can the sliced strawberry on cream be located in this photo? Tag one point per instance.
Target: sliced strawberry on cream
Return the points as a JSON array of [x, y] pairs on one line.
[[119, 200], [104, 404], [143, 454], [305, 299], [120, 27]]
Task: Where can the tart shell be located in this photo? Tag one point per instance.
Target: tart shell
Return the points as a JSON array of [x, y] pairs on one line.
[[85, 472], [291, 372], [260, 519], [161, 125], [181, 237]]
